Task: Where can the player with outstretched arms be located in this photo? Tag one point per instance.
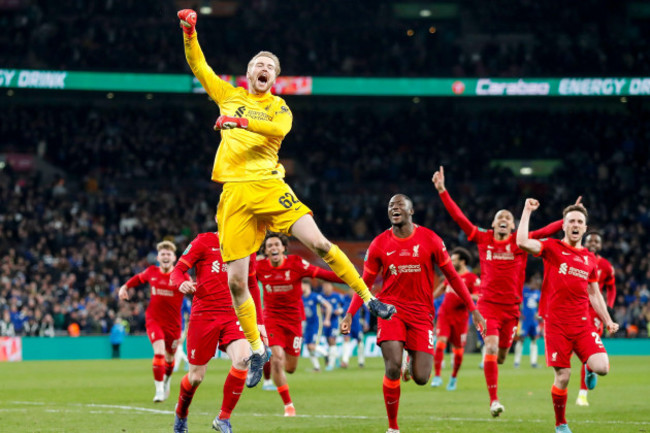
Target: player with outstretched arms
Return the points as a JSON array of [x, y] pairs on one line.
[[503, 270], [570, 286], [213, 324], [453, 318], [607, 284], [281, 278], [255, 198], [311, 300], [406, 256], [163, 315]]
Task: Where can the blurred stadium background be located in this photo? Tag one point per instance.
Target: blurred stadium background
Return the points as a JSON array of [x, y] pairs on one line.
[[106, 141]]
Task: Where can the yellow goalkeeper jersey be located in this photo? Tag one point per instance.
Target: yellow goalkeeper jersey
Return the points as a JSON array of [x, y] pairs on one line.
[[243, 154]]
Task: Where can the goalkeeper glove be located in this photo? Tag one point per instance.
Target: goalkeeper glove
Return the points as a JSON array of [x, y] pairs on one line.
[[227, 122], [188, 21]]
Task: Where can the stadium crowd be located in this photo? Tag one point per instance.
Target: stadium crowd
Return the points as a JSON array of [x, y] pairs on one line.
[[496, 38], [67, 244]]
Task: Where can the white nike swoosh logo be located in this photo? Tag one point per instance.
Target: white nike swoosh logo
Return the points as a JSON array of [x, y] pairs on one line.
[[268, 276], [490, 247], [215, 249], [388, 254], [566, 254]]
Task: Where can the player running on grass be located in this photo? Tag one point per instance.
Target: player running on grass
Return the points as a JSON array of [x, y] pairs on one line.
[[212, 324], [311, 300], [453, 318], [163, 315], [503, 270], [570, 286], [281, 277], [255, 198], [607, 283], [406, 255]]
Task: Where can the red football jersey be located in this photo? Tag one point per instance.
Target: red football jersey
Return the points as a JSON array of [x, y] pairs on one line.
[[452, 301], [606, 282], [567, 273], [166, 301], [407, 267], [503, 263], [282, 285], [212, 293]]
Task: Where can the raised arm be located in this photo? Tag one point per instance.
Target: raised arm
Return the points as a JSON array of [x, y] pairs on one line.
[[465, 224], [532, 246], [215, 87], [134, 281]]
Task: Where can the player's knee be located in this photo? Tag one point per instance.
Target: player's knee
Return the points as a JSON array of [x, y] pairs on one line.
[[501, 359], [321, 245], [421, 379], [195, 379], [237, 285], [393, 371], [290, 368]]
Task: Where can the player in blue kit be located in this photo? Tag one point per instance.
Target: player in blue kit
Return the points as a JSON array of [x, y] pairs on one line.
[[332, 331], [311, 301], [529, 322], [357, 330]]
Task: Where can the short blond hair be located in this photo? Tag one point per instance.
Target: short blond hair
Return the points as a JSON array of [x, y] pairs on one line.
[[269, 55], [166, 245]]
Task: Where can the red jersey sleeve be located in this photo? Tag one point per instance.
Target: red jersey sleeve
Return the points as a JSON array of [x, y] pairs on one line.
[[137, 279], [458, 215], [593, 275], [610, 283], [547, 231], [179, 273], [316, 272], [458, 285], [372, 264], [192, 253]]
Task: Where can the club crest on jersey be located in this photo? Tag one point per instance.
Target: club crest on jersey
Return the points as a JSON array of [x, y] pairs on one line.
[[508, 248], [268, 288], [287, 275], [416, 251], [563, 268], [586, 260], [392, 269], [489, 255]]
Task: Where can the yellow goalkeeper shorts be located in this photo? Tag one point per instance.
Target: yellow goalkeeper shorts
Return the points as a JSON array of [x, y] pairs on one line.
[[248, 209]]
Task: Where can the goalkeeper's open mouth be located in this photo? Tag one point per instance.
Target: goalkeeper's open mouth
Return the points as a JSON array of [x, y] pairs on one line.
[[263, 79]]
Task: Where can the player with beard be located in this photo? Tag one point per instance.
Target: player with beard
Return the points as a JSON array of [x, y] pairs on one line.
[[281, 276], [163, 315], [255, 198], [503, 271], [607, 283], [406, 256], [453, 318], [570, 285], [213, 324]]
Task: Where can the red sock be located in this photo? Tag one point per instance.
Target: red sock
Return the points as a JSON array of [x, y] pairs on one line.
[[158, 367], [267, 370], [583, 384], [491, 371], [169, 368], [185, 397], [559, 404], [391, 399], [458, 360], [284, 393], [438, 356], [232, 389]]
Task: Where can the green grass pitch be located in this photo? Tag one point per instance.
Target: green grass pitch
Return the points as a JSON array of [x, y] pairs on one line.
[[116, 396]]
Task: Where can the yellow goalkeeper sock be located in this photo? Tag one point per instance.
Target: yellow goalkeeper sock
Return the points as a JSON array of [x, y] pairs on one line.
[[248, 322], [343, 267]]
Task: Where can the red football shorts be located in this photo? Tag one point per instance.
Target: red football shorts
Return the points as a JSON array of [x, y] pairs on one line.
[[284, 333], [562, 340], [453, 325], [414, 330], [208, 333], [171, 335], [501, 320]]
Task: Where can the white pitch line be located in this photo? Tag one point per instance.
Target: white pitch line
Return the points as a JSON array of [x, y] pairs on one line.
[[359, 417]]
